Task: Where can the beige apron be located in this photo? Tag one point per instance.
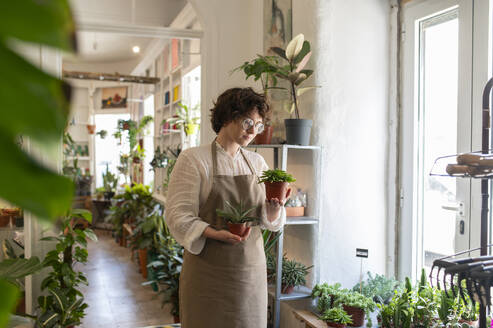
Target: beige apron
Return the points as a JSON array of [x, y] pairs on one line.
[[226, 285]]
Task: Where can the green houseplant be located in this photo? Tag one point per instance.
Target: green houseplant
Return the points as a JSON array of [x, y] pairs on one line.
[[64, 305], [186, 119], [276, 184], [236, 217], [336, 317], [110, 181], [357, 305], [378, 287], [168, 268], [293, 274], [326, 294]]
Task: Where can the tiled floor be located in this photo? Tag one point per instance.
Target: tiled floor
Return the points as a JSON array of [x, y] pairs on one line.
[[115, 295]]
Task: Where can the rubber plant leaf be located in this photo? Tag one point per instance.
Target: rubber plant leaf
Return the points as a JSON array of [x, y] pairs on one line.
[[280, 52], [303, 62], [45, 22], [7, 301], [294, 46], [44, 193], [304, 51], [82, 213]]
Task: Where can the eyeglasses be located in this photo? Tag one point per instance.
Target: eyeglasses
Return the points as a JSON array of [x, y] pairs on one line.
[[248, 123]]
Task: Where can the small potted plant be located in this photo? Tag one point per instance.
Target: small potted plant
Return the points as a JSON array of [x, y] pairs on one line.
[[336, 317], [357, 305], [293, 274], [91, 128], [265, 137], [102, 134], [276, 184], [110, 182], [237, 216], [186, 118]]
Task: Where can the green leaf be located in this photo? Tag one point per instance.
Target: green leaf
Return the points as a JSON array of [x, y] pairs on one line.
[[7, 301], [81, 213], [13, 269], [91, 235], [46, 22], [304, 50], [280, 52], [18, 169], [34, 103]]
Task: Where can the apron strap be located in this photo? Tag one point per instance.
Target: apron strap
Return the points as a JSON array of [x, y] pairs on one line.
[[248, 162], [214, 158]]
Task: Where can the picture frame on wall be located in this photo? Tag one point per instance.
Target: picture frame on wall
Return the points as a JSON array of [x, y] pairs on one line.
[[115, 97]]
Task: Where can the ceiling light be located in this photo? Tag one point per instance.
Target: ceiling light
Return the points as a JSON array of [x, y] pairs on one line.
[[136, 49]]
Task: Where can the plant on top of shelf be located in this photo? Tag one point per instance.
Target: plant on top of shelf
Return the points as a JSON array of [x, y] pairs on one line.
[[293, 274], [237, 216], [336, 317], [186, 119], [276, 184]]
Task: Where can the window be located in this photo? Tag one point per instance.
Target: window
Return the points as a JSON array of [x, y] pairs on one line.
[[108, 149]]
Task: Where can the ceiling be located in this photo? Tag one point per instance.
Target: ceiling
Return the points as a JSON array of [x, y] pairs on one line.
[[108, 49]]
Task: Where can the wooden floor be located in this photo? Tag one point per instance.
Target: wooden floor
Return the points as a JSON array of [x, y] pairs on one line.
[[115, 295]]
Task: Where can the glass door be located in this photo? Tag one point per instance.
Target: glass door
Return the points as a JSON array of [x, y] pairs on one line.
[[436, 122]]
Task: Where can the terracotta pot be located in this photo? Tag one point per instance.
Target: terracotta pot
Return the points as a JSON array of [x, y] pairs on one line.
[[136, 160], [357, 314], [126, 126], [4, 220], [287, 289], [91, 128], [143, 262], [237, 228], [176, 319], [21, 304], [279, 190], [295, 211], [333, 324], [265, 137]]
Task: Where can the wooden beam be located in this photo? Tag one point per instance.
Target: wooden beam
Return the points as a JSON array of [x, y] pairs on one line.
[[140, 30], [110, 77]]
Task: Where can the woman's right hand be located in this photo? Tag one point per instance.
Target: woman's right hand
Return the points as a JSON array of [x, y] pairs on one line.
[[223, 235]]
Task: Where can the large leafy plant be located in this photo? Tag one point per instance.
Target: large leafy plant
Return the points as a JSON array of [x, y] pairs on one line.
[[64, 305], [34, 104], [236, 213]]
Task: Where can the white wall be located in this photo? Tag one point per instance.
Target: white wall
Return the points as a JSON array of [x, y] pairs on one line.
[[350, 41], [352, 60]]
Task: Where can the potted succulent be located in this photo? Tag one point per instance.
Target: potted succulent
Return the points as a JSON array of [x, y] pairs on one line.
[[336, 317], [326, 294], [276, 184], [186, 119], [357, 305], [110, 182], [237, 216], [293, 274]]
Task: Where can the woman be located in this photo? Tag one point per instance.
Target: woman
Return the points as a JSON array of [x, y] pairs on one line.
[[223, 281]]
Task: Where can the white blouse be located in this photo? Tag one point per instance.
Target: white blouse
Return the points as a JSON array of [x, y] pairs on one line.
[[191, 181]]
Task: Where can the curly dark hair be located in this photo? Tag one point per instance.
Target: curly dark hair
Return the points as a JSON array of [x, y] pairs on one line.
[[235, 103]]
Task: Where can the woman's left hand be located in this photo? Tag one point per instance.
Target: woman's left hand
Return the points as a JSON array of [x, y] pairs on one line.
[[273, 208]]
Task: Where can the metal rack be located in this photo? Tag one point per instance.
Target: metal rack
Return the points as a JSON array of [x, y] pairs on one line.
[[281, 161], [485, 145]]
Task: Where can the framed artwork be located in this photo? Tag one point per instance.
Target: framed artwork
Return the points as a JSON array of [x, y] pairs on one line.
[[278, 24], [175, 53], [114, 97]]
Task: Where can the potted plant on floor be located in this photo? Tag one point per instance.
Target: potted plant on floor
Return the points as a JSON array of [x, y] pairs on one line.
[[293, 274], [276, 184], [64, 305], [336, 317], [237, 217], [110, 181]]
